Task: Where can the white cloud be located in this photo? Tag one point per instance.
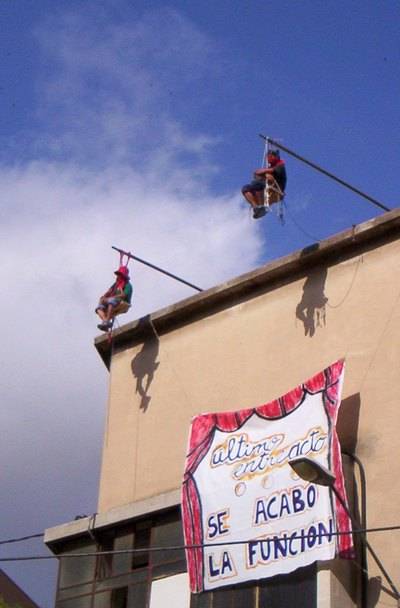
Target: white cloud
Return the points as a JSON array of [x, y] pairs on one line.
[[118, 92], [108, 173], [59, 224]]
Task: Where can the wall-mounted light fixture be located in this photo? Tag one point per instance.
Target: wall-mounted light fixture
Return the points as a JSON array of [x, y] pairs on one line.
[[314, 472]]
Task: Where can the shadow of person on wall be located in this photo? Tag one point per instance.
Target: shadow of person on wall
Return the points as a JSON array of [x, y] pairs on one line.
[[311, 308], [144, 364]]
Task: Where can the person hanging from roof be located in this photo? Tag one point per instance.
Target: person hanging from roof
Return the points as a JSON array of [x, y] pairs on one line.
[[268, 183], [116, 300]]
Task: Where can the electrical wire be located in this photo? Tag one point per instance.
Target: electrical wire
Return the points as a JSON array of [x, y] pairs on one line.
[[21, 538], [201, 546]]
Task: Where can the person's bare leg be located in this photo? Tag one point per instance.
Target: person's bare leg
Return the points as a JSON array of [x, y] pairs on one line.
[[260, 197], [101, 313], [251, 199], [109, 313]]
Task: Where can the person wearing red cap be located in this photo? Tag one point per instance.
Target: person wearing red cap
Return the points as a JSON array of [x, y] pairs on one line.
[[274, 174], [117, 299]]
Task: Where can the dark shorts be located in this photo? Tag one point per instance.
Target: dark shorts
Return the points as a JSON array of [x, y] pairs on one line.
[[255, 186]]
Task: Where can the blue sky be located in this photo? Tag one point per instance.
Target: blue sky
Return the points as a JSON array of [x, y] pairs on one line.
[[135, 124]]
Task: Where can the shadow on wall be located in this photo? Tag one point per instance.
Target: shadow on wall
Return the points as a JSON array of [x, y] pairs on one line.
[[348, 421], [374, 591], [347, 430], [144, 363], [311, 308]]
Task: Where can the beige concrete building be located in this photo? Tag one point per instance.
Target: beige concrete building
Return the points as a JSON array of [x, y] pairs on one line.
[[238, 345]]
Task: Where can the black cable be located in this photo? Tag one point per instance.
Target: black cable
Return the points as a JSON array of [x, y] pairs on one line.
[[325, 172], [21, 538], [200, 546]]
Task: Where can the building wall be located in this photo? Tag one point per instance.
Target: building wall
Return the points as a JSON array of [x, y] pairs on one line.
[[243, 344], [249, 354], [253, 349]]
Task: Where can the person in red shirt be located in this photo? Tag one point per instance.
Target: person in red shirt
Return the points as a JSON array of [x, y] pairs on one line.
[[274, 174], [116, 300]]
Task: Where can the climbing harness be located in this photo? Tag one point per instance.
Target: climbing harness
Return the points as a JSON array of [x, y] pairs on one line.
[[123, 306], [273, 194]]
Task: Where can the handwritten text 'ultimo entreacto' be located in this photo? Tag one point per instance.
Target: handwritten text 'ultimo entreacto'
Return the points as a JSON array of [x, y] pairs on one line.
[[250, 458]]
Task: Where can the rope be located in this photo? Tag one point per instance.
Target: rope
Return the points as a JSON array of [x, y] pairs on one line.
[[265, 153], [360, 259], [307, 234]]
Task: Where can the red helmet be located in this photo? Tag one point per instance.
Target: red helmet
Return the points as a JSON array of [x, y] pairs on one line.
[[123, 272]]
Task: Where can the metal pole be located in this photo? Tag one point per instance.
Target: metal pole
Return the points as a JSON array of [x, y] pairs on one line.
[[327, 173], [363, 517], [364, 540], [169, 274]]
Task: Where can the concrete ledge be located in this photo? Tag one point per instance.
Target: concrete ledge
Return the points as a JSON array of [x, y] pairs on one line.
[[207, 302], [113, 517]]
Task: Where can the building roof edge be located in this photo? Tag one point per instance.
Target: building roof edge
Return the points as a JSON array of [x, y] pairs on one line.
[[209, 300]]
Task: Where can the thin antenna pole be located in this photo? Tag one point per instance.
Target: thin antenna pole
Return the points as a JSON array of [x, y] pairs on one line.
[[169, 274], [321, 170]]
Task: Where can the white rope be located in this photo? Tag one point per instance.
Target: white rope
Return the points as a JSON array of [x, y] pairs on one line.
[[265, 153], [265, 163]]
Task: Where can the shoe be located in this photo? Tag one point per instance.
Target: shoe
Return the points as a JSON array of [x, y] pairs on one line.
[[105, 326], [259, 211]]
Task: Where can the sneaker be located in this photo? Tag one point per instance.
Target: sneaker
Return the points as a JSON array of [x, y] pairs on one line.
[[104, 326], [259, 211]]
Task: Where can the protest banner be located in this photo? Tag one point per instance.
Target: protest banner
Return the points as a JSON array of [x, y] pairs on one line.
[[245, 510]]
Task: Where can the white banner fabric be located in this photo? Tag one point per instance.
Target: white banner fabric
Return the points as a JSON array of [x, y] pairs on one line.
[[246, 511]]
